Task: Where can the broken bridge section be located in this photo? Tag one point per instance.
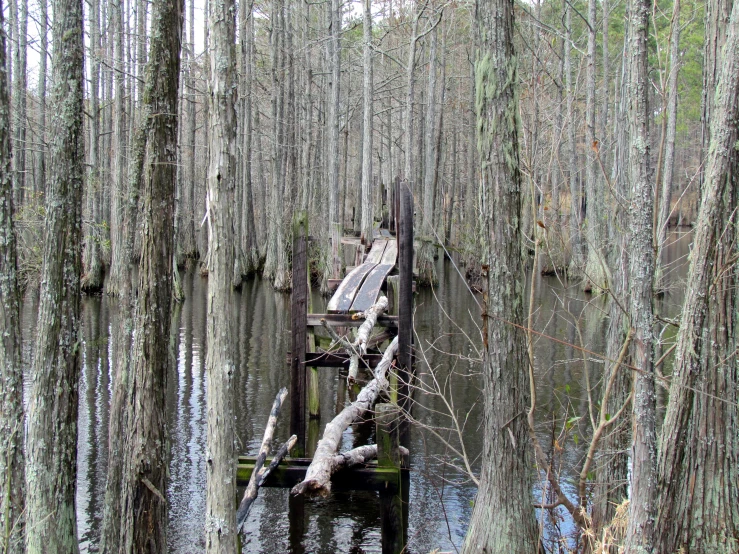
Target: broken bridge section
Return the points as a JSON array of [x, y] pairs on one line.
[[388, 268]]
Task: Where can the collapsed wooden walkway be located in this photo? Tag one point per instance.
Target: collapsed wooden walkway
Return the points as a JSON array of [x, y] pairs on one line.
[[388, 267]]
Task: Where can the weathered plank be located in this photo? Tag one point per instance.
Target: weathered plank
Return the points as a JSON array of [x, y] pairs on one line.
[[342, 299], [292, 471], [370, 289]]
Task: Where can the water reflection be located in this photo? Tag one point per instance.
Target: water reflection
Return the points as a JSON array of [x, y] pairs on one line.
[[448, 338]]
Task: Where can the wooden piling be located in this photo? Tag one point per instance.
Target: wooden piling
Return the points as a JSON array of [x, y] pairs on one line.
[[405, 294], [299, 318], [393, 529]]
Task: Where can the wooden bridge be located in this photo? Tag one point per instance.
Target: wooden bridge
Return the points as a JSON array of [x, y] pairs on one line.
[[388, 267]]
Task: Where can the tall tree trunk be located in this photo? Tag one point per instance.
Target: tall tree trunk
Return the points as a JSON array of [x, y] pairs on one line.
[[595, 275], [12, 469], [577, 256], [92, 260], [699, 448], [502, 519], [248, 237], [143, 507], [642, 507], [333, 268], [43, 23], [668, 168], [19, 102], [427, 248], [187, 243], [220, 522], [51, 455], [118, 194], [367, 206]]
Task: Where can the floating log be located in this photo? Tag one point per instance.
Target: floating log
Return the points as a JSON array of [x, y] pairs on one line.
[[318, 477], [253, 488]]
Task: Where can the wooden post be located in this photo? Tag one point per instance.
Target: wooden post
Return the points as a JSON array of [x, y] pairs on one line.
[[405, 294], [299, 318], [392, 294], [387, 418]]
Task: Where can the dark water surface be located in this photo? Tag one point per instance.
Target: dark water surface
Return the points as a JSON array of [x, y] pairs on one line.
[[441, 497]]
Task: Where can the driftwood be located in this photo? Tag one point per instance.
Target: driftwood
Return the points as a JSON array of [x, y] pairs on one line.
[[252, 488], [318, 477], [358, 456], [251, 492]]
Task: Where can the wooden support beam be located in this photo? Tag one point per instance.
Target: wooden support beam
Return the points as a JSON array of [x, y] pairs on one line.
[[405, 294], [298, 317], [292, 471], [393, 529]]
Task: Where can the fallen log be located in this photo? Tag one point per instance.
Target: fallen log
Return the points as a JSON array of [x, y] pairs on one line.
[[252, 488], [358, 456], [317, 480], [358, 348], [363, 335]]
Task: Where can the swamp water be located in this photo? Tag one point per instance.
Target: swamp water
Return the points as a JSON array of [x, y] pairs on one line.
[[447, 321]]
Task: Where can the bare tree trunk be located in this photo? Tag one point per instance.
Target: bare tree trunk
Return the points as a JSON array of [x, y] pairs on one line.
[[43, 22], [248, 237], [51, 455], [19, 102], [642, 506], [699, 444], [118, 265], [595, 274], [427, 248], [668, 167], [12, 467], [143, 507], [187, 243], [577, 257], [333, 268], [220, 513], [93, 268], [367, 206], [502, 519]]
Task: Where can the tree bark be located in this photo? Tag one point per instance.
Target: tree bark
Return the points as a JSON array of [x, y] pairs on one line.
[[367, 206], [699, 450], [118, 194], [143, 507], [642, 506], [502, 519], [92, 281], [12, 467], [220, 516], [51, 524]]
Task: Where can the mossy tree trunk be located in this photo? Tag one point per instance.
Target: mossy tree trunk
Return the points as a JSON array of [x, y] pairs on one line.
[[143, 508], [503, 518], [51, 453], [699, 448], [12, 469]]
